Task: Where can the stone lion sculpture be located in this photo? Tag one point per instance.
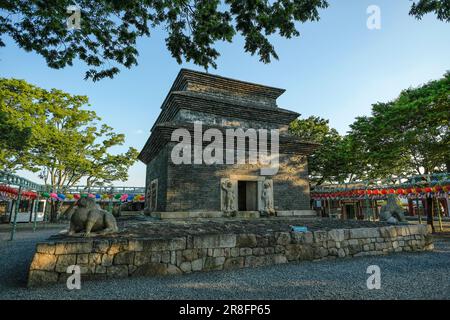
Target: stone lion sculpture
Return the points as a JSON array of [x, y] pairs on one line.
[[89, 220], [392, 212]]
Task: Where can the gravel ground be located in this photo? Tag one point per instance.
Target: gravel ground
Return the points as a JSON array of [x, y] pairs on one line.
[[404, 276]]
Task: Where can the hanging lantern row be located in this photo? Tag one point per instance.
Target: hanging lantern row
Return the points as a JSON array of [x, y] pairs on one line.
[[359, 193], [77, 196], [10, 192]]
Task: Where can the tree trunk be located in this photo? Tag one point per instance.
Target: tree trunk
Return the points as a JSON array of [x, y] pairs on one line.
[[55, 211]]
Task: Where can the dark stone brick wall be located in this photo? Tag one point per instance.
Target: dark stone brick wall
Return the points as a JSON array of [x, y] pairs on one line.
[[197, 187], [157, 169]]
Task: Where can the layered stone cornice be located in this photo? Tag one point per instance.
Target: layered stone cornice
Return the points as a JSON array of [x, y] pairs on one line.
[[162, 133]]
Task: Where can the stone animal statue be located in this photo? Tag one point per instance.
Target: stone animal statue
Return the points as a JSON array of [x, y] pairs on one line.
[[392, 212], [88, 219]]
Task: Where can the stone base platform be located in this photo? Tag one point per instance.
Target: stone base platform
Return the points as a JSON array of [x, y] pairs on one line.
[[220, 214], [159, 248]]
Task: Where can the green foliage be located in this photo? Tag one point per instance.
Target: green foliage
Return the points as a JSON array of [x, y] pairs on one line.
[[330, 163], [408, 135], [110, 28], [440, 7], [64, 142]]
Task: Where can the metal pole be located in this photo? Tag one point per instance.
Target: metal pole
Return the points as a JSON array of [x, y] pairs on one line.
[[36, 206], [418, 209], [439, 214], [16, 212]]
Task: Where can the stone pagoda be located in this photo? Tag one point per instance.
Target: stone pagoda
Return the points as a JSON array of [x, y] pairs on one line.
[[203, 108]]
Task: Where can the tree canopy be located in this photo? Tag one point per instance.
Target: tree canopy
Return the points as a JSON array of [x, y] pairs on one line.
[[409, 135], [110, 28], [57, 137]]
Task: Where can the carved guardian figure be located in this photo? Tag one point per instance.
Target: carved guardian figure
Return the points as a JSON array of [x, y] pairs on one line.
[[89, 220]]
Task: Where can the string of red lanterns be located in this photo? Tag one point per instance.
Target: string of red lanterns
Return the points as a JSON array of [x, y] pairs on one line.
[[358, 193]]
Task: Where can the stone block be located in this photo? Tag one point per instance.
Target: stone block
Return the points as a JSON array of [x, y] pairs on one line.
[[38, 278], [117, 271], [173, 270], [215, 241], [245, 252], [135, 245], [212, 263], [300, 252], [253, 262], [302, 237], [125, 257], [197, 265], [100, 246], [233, 263], [218, 253], [155, 257], [388, 232], [165, 257], [246, 241], [320, 236], [107, 260], [362, 233], [43, 261], [48, 248], [95, 258], [73, 247], [186, 267], [279, 259], [336, 235], [258, 251], [234, 252], [100, 270], [64, 261], [83, 258], [164, 245], [151, 269], [283, 238]]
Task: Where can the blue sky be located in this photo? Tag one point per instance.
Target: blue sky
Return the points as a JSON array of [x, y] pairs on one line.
[[336, 69]]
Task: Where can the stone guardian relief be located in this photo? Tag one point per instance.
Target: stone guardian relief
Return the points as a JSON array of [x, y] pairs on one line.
[[268, 208], [229, 197]]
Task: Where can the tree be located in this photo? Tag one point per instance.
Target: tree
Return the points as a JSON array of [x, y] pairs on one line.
[[333, 161], [67, 143], [440, 7], [408, 135], [13, 142], [110, 28]]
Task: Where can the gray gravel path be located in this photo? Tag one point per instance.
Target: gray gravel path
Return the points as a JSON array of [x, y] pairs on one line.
[[404, 276]]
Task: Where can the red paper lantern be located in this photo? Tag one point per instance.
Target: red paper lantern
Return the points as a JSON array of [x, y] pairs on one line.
[[418, 190], [384, 191], [428, 190], [399, 191]]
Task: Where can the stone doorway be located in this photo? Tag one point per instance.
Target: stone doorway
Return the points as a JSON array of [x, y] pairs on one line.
[[247, 196]]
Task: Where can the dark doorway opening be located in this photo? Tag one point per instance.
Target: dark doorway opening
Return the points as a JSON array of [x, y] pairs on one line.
[[247, 196]]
